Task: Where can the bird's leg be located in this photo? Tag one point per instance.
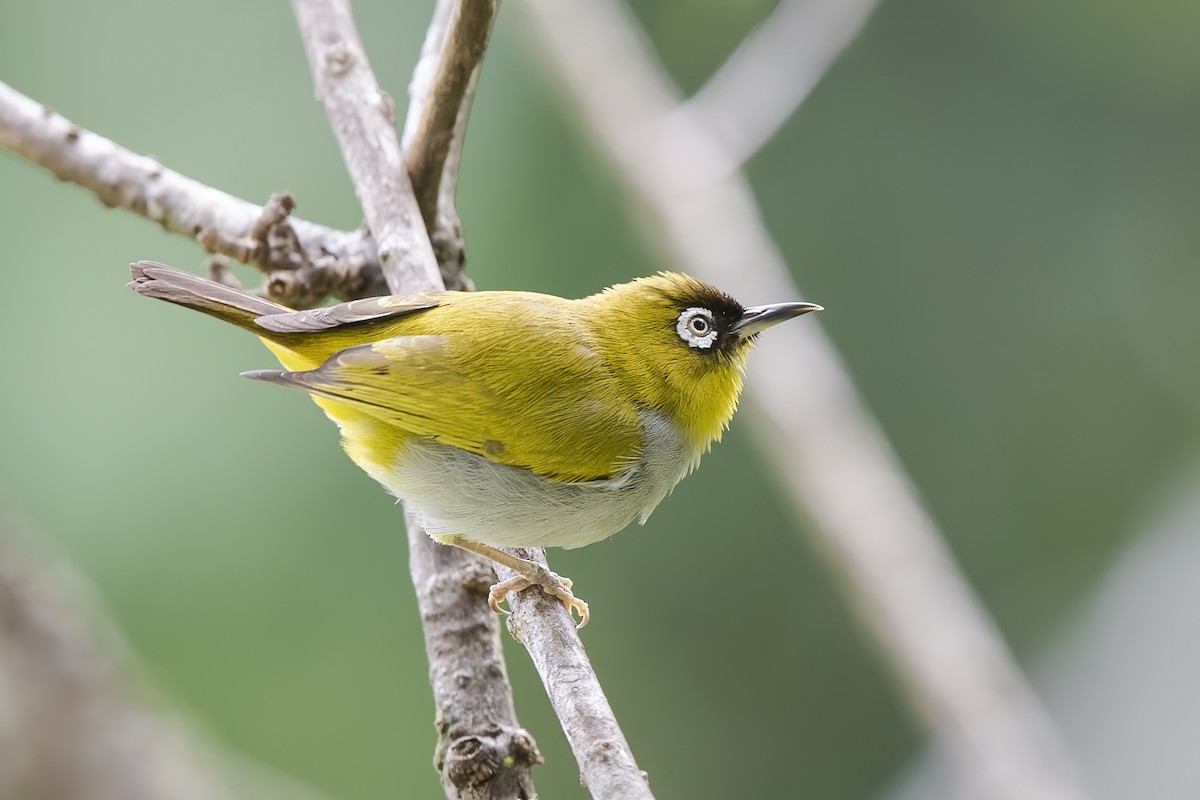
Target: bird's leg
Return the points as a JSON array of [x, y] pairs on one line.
[[529, 573]]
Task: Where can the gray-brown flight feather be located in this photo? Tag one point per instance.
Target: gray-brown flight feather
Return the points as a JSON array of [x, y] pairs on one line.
[[185, 289], [336, 377], [366, 310], [262, 316]]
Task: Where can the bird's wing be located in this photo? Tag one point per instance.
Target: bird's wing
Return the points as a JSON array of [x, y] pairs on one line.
[[569, 423], [365, 310]]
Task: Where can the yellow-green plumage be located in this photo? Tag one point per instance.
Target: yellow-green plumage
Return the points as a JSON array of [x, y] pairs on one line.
[[511, 418], [472, 373], [480, 377]]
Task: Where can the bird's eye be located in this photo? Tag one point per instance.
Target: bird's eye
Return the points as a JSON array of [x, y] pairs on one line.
[[695, 326]]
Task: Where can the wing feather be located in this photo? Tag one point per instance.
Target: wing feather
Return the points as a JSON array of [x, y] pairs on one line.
[[499, 402], [368, 309]]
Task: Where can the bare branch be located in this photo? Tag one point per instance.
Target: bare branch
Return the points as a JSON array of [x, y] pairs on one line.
[[347, 261], [949, 659], [606, 764], [71, 727], [364, 121], [440, 96], [482, 752], [459, 54], [773, 71]]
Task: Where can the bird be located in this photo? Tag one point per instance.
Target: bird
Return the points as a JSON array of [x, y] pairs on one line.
[[509, 419]]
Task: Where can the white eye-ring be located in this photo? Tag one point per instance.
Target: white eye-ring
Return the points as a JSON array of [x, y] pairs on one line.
[[696, 327]]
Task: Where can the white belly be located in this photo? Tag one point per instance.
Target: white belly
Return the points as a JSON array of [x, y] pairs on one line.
[[456, 493]]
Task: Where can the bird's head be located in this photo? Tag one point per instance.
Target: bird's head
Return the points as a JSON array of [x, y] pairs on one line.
[[681, 345]]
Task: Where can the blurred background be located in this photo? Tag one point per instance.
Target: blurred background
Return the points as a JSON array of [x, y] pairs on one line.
[[997, 202]]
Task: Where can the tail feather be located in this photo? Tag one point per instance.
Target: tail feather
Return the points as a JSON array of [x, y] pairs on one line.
[[183, 288], [306, 380], [273, 376]]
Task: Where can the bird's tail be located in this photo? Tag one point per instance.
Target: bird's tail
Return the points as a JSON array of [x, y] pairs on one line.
[[183, 288]]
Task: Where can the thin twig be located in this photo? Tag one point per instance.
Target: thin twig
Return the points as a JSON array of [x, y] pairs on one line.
[[482, 752], [459, 54], [950, 661], [606, 764], [222, 223], [773, 71], [72, 727], [440, 97], [363, 118]]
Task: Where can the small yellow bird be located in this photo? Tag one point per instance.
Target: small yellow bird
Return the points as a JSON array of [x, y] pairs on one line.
[[511, 419]]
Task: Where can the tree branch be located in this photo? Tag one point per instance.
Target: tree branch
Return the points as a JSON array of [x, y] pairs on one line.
[[440, 97], [363, 118], [950, 661], [452, 51], [345, 263], [606, 764], [482, 752]]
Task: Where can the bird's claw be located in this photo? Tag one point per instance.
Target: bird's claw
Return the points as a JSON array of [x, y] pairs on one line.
[[553, 585], [562, 590]]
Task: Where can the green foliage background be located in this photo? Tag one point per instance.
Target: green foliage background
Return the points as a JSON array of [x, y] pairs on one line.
[[996, 201]]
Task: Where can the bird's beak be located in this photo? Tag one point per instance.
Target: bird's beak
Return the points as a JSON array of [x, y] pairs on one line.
[[759, 318]]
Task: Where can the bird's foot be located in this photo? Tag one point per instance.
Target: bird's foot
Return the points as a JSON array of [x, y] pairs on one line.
[[551, 583]]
